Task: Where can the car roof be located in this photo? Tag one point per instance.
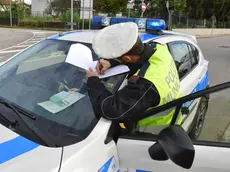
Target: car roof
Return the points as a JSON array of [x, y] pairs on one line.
[[86, 36]]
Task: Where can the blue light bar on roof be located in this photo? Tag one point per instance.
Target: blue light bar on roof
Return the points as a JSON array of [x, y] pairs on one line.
[[96, 22], [141, 23], [105, 21], [115, 20], [155, 24], [147, 24]]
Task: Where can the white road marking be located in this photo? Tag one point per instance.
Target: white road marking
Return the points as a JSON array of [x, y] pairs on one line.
[[19, 43], [35, 35], [11, 51], [40, 36], [16, 49], [27, 45], [39, 39], [21, 46], [32, 41]]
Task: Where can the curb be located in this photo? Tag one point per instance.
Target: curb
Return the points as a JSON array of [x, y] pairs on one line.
[[211, 36]]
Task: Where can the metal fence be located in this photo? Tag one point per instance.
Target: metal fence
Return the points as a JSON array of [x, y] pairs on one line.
[[183, 21], [42, 19]]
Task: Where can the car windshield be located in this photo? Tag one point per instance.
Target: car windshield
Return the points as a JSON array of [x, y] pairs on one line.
[[32, 80]]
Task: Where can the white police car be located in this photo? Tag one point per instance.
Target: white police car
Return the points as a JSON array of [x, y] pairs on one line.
[[40, 134]]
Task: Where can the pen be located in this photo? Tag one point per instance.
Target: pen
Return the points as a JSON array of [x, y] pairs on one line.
[[99, 64]]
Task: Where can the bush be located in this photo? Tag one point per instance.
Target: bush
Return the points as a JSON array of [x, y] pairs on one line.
[[50, 22], [32, 23], [86, 24], [66, 17]]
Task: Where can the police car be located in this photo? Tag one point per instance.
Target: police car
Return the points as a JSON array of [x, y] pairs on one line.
[[40, 132]]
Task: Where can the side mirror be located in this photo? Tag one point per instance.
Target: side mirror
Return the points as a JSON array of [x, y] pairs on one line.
[[175, 144]]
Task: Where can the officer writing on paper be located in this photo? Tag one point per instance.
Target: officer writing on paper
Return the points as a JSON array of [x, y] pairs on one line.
[[152, 81]]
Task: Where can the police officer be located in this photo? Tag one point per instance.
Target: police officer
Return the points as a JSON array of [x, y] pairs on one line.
[[152, 81]]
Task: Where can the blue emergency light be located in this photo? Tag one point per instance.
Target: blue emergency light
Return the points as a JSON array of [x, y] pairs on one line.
[[115, 20], [99, 22], [155, 24]]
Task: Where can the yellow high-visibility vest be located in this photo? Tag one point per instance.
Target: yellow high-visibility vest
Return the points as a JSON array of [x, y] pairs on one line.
[[161, 71]]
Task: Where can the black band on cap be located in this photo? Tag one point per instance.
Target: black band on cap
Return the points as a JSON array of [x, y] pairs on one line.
[[137, 48]]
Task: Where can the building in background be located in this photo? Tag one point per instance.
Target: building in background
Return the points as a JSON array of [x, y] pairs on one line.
[[86, 11], [4, 4], [38, 8]]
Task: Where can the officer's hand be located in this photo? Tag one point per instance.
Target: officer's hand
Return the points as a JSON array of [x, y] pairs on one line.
[[90, 73], [102, 66]]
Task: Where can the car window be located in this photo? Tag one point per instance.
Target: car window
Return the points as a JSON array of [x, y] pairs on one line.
[[185, 57], [194, 54]]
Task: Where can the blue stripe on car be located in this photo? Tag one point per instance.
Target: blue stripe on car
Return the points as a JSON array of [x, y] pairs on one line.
[[106, 166], [15, 147], [200, 86], [146, 37]]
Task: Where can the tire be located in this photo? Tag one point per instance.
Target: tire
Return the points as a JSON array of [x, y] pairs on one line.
[[199, 119]]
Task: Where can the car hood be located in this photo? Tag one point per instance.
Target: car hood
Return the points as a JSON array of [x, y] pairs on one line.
[[17, 152]]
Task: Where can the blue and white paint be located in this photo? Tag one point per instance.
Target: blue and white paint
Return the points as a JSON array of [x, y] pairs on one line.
[[15, 147], [200, 86], [110, 166]]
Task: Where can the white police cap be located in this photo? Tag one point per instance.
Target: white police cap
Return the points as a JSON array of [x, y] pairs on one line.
[[115, 40]]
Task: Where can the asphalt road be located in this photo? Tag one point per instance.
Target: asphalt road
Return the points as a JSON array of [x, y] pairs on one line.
[[11, 37], [13, 41], [216, 51]]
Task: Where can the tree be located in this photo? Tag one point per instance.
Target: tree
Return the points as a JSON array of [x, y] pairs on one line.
[[218, 8], [177, 6], [157, 8], [18, 9], [111, 7], [58, 7]]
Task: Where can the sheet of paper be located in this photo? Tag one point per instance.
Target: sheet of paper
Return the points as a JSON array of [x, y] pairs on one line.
[[54, 108], [80, 56], [112, 71]]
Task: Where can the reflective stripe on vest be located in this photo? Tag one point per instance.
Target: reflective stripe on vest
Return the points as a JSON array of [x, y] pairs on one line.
[[161, 71]]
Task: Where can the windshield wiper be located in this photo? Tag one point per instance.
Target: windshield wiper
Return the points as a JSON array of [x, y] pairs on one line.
[[30, 125], [23, 112]]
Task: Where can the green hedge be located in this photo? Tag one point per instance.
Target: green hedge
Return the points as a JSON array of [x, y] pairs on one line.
[[50, 24], [32, 23]]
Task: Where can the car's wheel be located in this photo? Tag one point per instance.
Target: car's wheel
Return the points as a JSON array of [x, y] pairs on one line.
[[199, 119]]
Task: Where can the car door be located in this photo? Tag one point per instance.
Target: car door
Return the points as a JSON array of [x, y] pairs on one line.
[[134, 157], [192, 72], [212, 149]]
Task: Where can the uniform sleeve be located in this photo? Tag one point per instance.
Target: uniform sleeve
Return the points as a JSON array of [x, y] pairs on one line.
[[113, 62], [132, 100]]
